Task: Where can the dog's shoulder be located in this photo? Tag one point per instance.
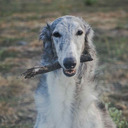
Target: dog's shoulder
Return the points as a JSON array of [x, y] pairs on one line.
[[41, 95], [42, 88]]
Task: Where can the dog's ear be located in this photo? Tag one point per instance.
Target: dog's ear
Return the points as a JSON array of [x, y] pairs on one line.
[[88, 31], [48, 48], [89, 34], [45, 34], [89, 48], [88, 37]]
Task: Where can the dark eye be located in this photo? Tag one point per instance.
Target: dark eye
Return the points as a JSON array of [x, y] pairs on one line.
[[56, 34], [79, 32]]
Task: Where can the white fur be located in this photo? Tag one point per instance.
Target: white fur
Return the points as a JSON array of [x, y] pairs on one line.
[[60, 110]]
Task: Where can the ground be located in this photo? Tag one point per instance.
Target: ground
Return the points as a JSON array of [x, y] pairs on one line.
[[20, 24]]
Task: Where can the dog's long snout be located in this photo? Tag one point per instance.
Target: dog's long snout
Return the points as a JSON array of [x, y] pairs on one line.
[[69, 63]]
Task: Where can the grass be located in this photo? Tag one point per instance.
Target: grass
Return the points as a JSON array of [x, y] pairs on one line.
[[18, 126], [9, 92], [8, 41], [117, 117], [90, 2], [40, 6], [112, 48], [5, 53], [22, 20], [4, 68]]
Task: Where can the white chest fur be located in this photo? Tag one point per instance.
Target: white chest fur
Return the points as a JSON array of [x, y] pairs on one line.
[[61, 91], [69, 109]]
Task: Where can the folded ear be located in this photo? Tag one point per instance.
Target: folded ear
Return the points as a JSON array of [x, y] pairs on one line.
[[89, 47], [45, 33], [48, 47], [88, 38], [89, 34]]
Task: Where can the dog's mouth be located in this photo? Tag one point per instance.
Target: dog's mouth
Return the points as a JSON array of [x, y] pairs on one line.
[[69, 72]]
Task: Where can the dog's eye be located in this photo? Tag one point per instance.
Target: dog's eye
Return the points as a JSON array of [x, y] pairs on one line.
[[56, 34], [79, 32]]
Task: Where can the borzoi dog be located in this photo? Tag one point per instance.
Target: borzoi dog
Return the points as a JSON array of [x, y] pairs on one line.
[[66, 98]]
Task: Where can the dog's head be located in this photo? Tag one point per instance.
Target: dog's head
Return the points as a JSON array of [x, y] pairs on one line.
[[67, 38]]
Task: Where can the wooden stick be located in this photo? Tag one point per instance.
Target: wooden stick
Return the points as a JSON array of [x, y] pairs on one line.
[[53, 66]]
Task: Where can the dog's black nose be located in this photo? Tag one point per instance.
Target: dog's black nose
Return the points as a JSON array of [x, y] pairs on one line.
[[69, 63]]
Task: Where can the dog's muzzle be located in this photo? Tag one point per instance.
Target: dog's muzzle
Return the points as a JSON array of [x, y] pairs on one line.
[[69, 65]]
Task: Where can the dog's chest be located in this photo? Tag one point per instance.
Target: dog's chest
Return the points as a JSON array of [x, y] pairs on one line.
[[61, 91], [67, 108]]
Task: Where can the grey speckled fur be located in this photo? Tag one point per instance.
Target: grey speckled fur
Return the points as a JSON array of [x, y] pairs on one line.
[[69, 102]]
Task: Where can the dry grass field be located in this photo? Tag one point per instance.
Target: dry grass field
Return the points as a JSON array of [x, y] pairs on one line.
[[20, 24]]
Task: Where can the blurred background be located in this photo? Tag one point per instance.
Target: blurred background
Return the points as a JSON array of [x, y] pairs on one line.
[[20, 25]]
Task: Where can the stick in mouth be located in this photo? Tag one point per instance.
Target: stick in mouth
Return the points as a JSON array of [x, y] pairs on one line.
[[51, 67]]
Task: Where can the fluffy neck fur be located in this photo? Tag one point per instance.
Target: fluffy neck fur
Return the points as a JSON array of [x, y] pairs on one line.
[[68, 97]]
